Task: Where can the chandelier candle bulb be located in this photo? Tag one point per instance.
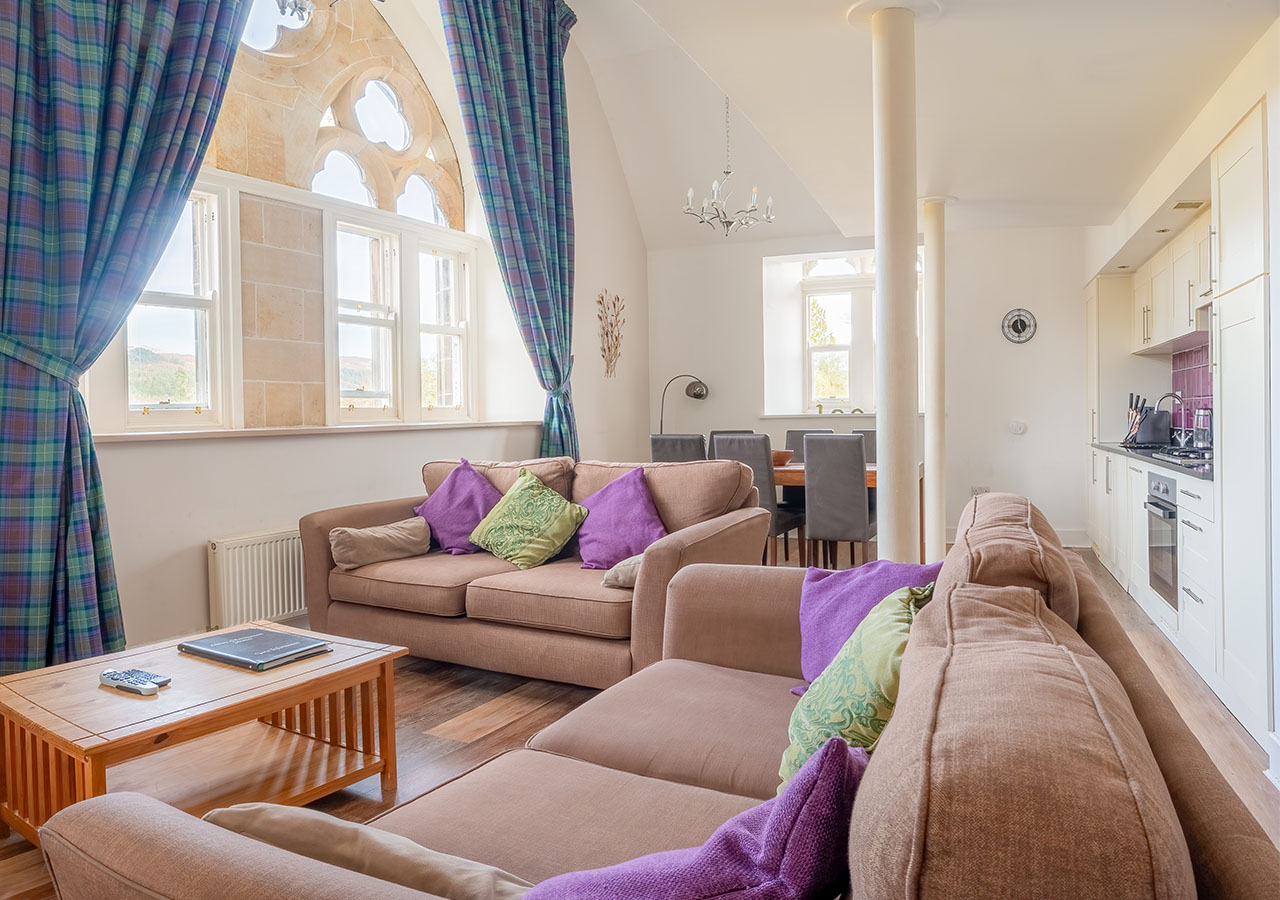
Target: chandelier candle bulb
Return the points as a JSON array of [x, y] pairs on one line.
[[689, 201]]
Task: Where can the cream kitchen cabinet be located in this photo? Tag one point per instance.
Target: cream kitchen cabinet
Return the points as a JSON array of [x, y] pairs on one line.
[[1140, 331], [1111, 370], [1180, 311], [1203, 231], [1161, 316], [1241, 440], [1238, 186], [1109, 529]]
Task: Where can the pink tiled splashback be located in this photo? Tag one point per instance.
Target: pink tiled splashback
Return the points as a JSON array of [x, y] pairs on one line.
[[1193, 379]]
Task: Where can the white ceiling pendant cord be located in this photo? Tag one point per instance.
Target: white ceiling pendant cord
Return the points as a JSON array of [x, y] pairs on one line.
[[715, 212]]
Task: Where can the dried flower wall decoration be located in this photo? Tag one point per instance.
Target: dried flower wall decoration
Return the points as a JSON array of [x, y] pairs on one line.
[[610, 321]]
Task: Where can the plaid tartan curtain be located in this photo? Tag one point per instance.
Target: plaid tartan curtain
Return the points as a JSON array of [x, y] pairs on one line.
[[508, 62], [106, 109]]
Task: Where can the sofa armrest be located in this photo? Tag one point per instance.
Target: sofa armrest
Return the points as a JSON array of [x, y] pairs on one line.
[[739, 617], [735, 537], [127, 846], [317, 557]]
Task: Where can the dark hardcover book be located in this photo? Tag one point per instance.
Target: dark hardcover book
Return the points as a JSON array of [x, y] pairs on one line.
[[255, 648]]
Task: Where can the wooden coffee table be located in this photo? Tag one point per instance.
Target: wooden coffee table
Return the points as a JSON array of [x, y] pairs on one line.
[[217, 735]]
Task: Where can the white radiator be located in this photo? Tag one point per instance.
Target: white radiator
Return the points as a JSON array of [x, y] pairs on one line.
[[255, 577]]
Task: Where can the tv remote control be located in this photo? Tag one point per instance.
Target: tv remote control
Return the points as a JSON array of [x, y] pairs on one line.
[[122, 681], [159, 680]]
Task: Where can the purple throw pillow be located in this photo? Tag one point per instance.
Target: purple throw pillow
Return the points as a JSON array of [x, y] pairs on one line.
[[456, 507], [622, 523], [833, 604], [793, 846]]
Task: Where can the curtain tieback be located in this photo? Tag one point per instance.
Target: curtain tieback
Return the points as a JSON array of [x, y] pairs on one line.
[[52, 365], [562, 391]]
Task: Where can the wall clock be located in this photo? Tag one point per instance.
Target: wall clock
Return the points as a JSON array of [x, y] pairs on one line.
[[1019, 326]]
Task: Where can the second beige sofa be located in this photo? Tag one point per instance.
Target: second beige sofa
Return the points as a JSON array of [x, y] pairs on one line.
[[556, 621]]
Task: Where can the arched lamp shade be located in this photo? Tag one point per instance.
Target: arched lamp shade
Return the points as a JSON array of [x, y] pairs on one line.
[[695, 390]]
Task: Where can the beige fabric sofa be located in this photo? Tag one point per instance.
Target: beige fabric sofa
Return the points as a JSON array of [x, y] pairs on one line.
[[555, 621], [1025, 760]]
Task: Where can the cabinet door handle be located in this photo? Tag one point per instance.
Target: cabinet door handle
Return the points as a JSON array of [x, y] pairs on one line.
[[1191, 303], [1093, 470], [1187, 493], [1108, 474], [1093, 424], [1135, 469], [1192, 525], [1192, 594]]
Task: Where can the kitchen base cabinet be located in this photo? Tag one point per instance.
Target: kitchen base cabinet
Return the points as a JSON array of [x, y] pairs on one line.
[[1136, 514]]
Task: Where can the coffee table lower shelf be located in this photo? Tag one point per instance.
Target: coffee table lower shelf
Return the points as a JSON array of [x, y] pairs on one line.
[[251, 762]]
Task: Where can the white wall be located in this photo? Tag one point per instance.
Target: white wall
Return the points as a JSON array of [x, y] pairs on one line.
[[991, 381], [706, 312], [167, 498], [613, 413]]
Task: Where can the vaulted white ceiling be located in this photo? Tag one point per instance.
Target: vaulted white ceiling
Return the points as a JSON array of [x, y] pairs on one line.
[[1031, 112]]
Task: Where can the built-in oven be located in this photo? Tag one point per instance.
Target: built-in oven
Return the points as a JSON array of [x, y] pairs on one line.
[[1162, 537]]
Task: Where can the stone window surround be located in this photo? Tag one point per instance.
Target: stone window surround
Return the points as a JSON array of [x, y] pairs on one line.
[[229, 187]]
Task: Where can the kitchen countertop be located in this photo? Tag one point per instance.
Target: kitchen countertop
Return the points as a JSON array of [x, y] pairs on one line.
[[1204, 473]]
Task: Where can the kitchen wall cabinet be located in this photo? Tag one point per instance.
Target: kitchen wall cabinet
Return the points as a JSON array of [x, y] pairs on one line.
[[1111, 370], [1140, 336], [1183, 299], [1203, 231], [1161, 316], [1238, 186], [1240, 447]]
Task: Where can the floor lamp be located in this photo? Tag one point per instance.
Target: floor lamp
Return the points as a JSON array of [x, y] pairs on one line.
[[694, 390]]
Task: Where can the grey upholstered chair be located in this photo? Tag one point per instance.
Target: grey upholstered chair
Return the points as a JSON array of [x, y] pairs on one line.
[[711, 439], [793, 496], [677, 447], [754, 450], [795, 440], [836, 504], [868, 444]]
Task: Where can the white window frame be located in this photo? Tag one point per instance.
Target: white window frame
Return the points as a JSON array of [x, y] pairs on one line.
[[411, 235], [837, 284], [388, 305], [107, 381]]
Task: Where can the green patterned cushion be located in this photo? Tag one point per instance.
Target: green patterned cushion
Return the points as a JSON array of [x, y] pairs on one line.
[[530, 524], [854, 695]]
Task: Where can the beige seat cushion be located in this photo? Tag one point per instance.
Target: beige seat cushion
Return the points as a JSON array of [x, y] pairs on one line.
[[537, 814], [685, 493], [684, 721], [558, 596], [1003, 539], [555, 472], [1013, 766], [435, 584]]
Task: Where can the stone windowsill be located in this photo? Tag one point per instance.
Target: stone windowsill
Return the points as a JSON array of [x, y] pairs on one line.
[[373, 428]]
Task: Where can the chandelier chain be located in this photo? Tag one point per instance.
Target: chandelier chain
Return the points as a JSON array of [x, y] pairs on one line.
[[727, 167]]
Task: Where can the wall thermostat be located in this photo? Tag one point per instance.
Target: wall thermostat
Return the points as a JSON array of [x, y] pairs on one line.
[[1019, 325]]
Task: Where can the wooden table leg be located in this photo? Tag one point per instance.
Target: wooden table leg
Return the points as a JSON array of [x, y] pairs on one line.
[[387, 725]]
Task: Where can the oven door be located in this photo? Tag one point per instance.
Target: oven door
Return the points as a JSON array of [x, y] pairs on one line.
[[1162, 549]]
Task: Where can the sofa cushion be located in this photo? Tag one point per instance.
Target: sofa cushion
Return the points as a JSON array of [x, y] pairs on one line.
[[623, 522], [1002, 540], [685, 493], [555, 472], [356, 547], [537, 814], [370, 851], [435, 584], [457, 506], [559, 596], [1013, 766], [684, 721], [530, 524]]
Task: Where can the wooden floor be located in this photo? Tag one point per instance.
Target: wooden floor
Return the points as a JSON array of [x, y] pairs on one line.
[[450, 718]]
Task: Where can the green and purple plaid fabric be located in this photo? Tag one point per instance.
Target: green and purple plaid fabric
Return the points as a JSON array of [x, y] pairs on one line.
[[106, 109], [508, 63]]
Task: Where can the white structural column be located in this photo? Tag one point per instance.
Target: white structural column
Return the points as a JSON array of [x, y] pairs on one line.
[[893, 81], [934, 329]]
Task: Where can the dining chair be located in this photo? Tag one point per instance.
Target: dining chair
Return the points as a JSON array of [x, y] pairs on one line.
[[793, 496], [837, 507], [755, 451], [677, 447], [711, 440], [868, 444]]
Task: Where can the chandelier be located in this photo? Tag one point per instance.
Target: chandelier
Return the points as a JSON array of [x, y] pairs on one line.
[[716, 211], [301, 8]]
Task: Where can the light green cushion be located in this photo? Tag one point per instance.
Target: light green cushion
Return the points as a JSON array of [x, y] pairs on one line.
[[855, 694], [530, 524]]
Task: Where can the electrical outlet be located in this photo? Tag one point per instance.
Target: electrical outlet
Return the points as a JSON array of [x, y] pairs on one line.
[[978, 489]]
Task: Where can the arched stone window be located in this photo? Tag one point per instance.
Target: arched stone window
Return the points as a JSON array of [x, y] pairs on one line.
[[334, 104]]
